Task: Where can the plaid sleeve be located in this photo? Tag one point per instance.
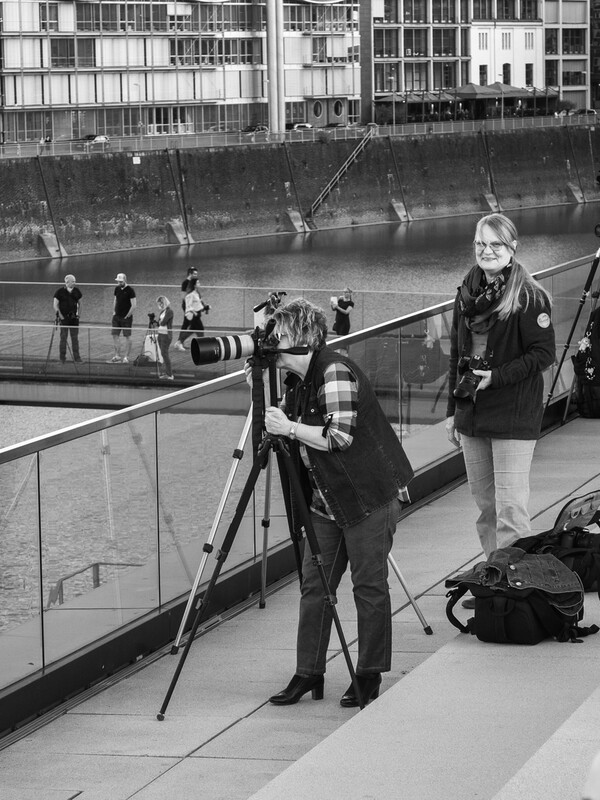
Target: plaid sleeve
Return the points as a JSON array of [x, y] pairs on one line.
[[338, 402]]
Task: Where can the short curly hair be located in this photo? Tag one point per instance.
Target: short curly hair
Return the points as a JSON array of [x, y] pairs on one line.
[[303, 322]]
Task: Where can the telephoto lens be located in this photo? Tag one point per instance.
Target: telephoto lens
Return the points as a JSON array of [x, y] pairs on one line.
[[209, 350]]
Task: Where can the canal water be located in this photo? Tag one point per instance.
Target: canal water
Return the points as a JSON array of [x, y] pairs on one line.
[[425, 257]]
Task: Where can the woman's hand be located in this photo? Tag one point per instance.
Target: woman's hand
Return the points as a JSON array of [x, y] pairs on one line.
[[276, 421], [486, 378], [451, 432]]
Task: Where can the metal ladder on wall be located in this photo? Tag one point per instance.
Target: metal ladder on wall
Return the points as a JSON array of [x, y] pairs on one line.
[[339, 174]]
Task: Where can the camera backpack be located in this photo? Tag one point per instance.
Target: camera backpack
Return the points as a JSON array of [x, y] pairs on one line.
[[572, 539], [520, 598]]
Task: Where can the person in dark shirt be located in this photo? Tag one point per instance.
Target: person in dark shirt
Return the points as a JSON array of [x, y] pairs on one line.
[[186, 287], [67, 305], [342, 309], [123, 308]]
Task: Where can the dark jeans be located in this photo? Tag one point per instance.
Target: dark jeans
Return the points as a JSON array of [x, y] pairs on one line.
[[190, 326], [164, 342], [67, 326], [365, 546]]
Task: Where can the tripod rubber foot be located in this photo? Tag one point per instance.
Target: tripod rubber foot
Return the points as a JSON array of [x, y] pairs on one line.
[[174, 650], [262, 604], [160, 717], [428, 630]]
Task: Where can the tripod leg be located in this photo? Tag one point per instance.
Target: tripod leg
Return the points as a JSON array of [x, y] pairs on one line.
[[50, 347], [413, 602], [311, 539], [238, 454], [266, 522], [222, 554]]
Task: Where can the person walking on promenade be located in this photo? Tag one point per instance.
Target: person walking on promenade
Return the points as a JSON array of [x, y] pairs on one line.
[[342, 307], [501, 340], [165, 324], [194, 306], [192, 274], [123, 307], [353, 469], [67, 306]]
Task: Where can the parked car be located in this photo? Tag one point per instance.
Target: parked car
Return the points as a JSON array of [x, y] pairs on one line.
[[582, 111], [258, 128], [93, 140]]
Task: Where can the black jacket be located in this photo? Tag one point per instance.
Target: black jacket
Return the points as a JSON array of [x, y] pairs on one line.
[[518, 350]]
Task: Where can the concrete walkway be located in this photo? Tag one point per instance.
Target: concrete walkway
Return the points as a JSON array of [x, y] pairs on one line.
[[457, 719]]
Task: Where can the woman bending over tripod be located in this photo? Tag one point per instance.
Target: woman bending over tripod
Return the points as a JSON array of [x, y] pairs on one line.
[[352, 468]]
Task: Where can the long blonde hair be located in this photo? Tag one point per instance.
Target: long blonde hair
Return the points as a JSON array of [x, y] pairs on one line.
[[521, 287]]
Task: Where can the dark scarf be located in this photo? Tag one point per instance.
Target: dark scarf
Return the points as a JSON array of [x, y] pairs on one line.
[[479, 300]]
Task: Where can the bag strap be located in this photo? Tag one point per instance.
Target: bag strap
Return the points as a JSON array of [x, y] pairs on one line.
[[455, 594], [565, 629]]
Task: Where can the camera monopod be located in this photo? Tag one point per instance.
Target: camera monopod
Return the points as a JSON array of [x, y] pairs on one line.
[[269, 443], [585, 293]]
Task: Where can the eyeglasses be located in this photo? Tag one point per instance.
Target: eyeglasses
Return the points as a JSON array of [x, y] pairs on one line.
[[495, 246]]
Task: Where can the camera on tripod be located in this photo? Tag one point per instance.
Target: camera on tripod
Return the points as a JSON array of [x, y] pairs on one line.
[[152, 323], [469, 382]]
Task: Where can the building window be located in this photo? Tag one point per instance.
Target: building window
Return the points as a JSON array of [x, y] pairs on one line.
[[506, 74], [483, 75], [318, 109], [551, 70], [483, 41], [529, 9], [551, 42], [385, 43], [444, 11], [415, 77], [573, 42], [506, 9], [528, 74], [71, 53], [415, 11], [483, 9], [415, 42], [444, 75], [529, 40], [185, 52], [444, 42], [338, 108], [506, 40], [48, 16]]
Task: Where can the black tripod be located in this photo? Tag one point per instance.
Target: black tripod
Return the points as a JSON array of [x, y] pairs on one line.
[[267, 443]]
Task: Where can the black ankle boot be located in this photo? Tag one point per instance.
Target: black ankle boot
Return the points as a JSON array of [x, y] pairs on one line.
[[369, 688], [298, 686]]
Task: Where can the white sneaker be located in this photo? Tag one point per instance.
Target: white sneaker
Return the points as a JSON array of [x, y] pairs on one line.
[[179, 346], [114, 360], [125, 360]]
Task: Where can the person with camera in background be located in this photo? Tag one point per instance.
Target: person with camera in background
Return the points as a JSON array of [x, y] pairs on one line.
[[501, 340], [67, 306], [194, 307], [353, 470]]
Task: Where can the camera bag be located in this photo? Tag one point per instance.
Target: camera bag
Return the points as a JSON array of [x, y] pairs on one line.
[[520, 599], [572, 540]]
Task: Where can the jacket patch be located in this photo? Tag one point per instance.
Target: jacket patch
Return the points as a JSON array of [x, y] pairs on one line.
[[543, 321]]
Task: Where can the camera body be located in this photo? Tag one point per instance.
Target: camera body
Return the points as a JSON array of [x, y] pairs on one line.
[[469, 382], [152, 323]]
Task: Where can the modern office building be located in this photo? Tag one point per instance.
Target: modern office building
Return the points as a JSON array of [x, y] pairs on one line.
[[69, 68], [435, 46]]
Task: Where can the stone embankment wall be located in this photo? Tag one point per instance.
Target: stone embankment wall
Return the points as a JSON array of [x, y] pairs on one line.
[[99, 202]]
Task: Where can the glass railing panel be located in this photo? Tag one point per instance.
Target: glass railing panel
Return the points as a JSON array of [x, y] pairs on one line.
[[201, 483], [99, 545], [20, 619]]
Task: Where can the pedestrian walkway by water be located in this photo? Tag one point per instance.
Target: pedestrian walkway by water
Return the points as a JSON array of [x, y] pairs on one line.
[[457, 718]]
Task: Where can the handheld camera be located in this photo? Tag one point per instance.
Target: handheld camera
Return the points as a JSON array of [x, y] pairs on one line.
[[469, 382]]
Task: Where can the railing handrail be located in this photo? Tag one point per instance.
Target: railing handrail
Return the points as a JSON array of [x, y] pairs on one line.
[[154, 405]]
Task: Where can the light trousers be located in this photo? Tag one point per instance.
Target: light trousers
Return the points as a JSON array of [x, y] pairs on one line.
[[498, 474]]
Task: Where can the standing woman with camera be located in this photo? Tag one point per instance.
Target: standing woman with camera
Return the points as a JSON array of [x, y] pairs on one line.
[[165, 336], [501, 341], [194, 306]]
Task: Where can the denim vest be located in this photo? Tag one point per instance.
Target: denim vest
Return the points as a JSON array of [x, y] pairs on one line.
[[368, 474], [520, 570]]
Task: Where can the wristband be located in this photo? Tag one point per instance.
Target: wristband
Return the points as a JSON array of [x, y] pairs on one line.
[[292, 433]]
